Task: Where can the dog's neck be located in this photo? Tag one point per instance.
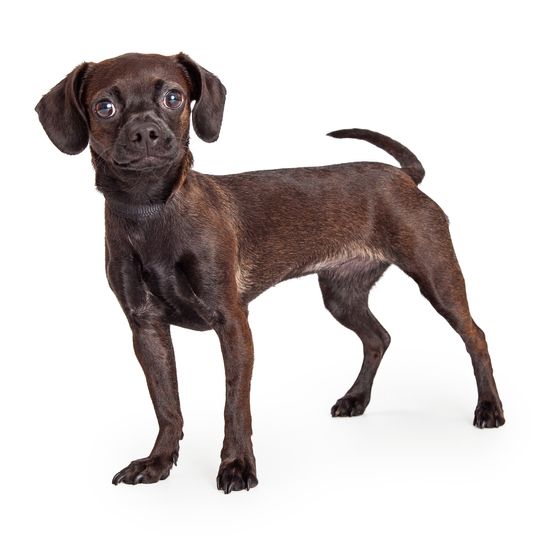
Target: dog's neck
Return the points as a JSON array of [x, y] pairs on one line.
[[134, 211], [138, 195]]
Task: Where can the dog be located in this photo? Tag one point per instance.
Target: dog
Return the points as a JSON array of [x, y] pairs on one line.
[[190, 249]]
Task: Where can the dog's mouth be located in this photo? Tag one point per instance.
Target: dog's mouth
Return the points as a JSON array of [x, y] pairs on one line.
[[149, 162]]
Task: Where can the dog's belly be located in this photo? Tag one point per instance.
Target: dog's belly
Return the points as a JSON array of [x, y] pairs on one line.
[[346, 261]]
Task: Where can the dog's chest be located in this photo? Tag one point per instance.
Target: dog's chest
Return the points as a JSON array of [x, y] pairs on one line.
[[165, 275], [171, 290]]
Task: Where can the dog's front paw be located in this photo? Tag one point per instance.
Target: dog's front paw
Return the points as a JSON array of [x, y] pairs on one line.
[[488, 414], [146, 471], [349, 406], [236, 475]]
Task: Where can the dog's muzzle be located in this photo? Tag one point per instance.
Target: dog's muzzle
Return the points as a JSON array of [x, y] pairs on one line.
[[145, 143]]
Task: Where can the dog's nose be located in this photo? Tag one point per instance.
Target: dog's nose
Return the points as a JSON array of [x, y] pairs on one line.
[[144, 135]]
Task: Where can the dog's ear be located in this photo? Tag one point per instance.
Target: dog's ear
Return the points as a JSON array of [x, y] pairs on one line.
[[61, 113], [209, 94]]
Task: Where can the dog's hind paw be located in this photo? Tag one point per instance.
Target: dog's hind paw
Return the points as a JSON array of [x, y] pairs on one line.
[[349, 406], [488, 414]]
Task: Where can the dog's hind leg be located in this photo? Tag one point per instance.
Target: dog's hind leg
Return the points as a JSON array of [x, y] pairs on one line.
[[345, 294], [430, 260]]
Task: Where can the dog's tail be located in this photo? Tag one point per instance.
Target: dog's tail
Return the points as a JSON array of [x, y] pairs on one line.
[[408, 161]]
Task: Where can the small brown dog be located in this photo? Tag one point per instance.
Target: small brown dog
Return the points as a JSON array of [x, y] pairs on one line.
[[189, 249]]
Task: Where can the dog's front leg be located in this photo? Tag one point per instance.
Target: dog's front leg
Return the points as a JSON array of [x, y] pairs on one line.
[[153, 348], [237, 470], [155, 353]]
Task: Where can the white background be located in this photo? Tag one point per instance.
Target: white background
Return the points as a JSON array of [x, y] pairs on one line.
[[460, 84]]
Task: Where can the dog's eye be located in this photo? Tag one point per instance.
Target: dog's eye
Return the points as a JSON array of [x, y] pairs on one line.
[[104, 109], [173, 99]]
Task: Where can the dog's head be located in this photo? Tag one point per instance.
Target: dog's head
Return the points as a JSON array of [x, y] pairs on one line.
[[134, 110]]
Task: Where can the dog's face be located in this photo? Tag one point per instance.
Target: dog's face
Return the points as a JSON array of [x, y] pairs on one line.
[[138, 112], [134, 110]]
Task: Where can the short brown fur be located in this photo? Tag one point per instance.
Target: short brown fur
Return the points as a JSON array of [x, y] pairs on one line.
[[189, 249]]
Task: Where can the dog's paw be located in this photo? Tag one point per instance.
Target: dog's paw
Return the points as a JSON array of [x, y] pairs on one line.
[[236, 475], [146, 471], [349, 406], [488, 414]]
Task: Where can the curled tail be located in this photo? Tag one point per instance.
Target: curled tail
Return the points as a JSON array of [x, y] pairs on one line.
[[408, 161]]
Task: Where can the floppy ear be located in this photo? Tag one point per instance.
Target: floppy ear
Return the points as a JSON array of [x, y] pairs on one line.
[[61, 113], [209, 94]]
